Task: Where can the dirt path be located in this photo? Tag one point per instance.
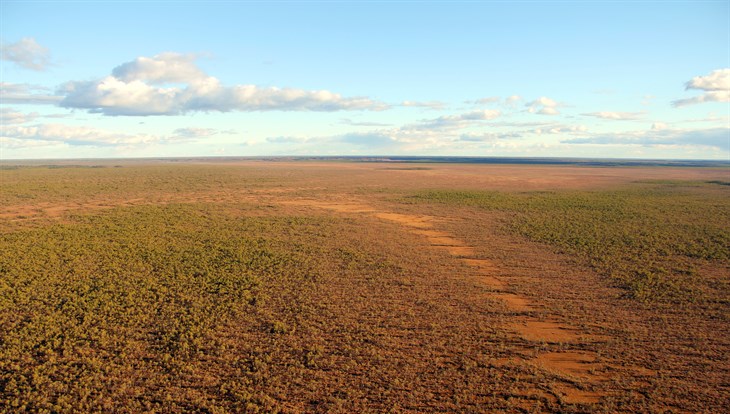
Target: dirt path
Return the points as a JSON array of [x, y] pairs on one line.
[[581, 372]]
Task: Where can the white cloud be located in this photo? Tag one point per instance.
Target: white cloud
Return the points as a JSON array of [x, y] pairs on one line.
[[712, 96], [26, 53], [711, 118], [20, 136], [456, 121], [286, 140], [560, 129], [543, 106], [348, 121], [23, 93], [520, 124], [509, 101], [485, 101], [166, 67], [194, 132], [171, 84], [717, 80], [658, 125], [15, 143], [617, 116], [11, 116], [484, 115], [512, 100], [716, 86], [543, 101], [548, 110], [427, 104], [429, 132], [488, 136], [74, 135]]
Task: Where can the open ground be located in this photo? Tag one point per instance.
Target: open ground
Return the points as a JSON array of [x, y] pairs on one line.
[[310, 286]]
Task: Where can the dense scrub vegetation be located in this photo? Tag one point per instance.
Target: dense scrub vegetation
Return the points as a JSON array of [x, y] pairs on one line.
[[650, 238], [89, 306], [77, 183], [201, 288]]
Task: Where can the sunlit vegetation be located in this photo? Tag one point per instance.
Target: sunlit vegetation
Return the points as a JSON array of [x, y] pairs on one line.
[[76, 183], [87, 303], [650, 238], [204, 288]]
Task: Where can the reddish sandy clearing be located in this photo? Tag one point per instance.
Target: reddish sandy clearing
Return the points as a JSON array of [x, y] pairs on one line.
[[546, 329]]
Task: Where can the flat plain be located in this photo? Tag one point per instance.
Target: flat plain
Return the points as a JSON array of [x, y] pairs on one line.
[[312, 286]]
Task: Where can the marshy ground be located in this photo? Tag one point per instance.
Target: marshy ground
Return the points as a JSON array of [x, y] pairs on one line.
[[256, 286]]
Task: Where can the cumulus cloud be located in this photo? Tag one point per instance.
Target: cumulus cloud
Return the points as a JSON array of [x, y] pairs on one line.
[[543, 106], [717, 80], [23, 93], [171, 84], [714, 137], [617, 116], [26, 53], [164, 68], [716, 87]]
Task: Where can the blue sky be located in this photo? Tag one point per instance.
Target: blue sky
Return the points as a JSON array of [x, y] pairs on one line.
[[151, 79]]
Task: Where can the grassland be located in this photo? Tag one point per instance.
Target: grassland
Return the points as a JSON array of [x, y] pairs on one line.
[[341, 287]]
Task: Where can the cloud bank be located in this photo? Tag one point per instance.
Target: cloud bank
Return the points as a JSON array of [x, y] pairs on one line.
[[172, 84], [714, 137], [72, 135], [15, 135]]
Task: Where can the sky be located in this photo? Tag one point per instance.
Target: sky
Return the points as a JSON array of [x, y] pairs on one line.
[[117, 79]]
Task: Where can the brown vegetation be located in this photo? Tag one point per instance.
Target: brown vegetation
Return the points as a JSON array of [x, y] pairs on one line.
[[347, 287]]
